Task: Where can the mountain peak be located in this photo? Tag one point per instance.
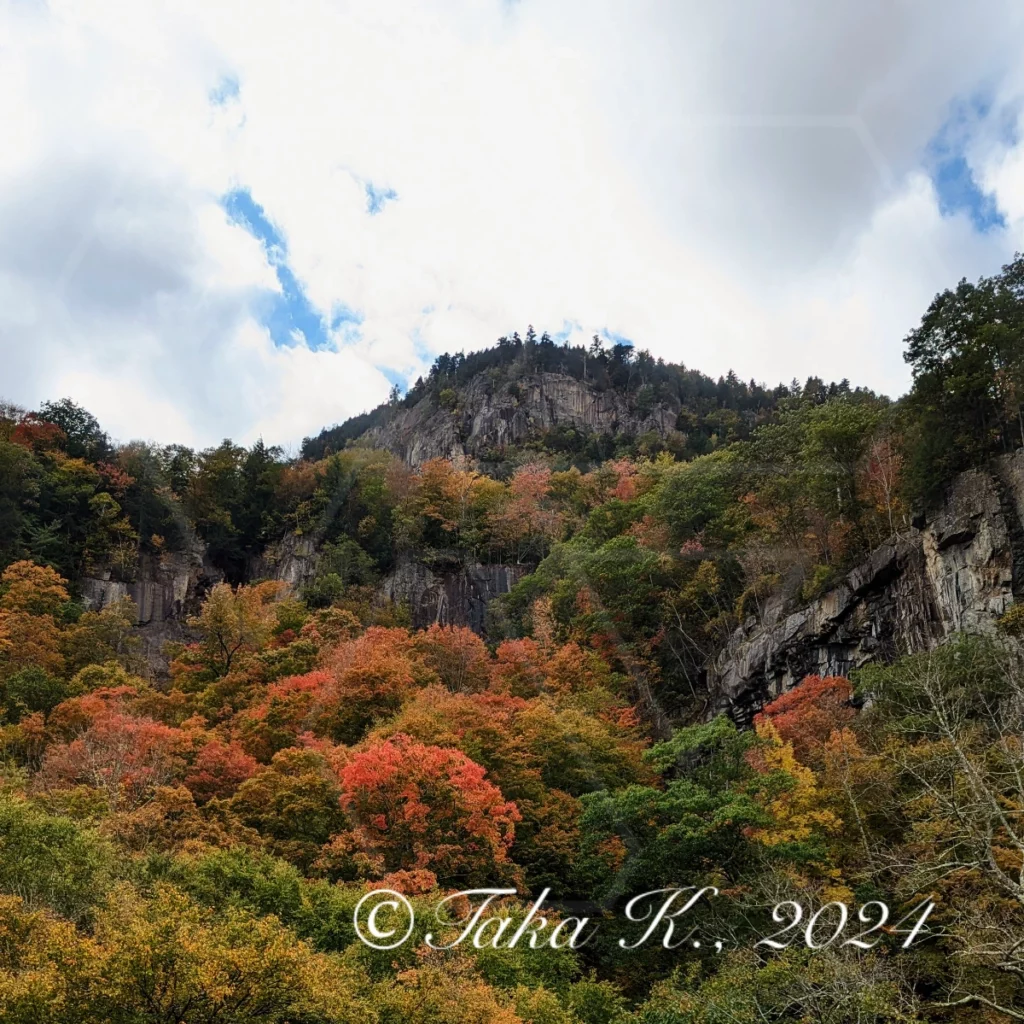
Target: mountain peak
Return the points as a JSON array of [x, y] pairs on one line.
[[584, 402]]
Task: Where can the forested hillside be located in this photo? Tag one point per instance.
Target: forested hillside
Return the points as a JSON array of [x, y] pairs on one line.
[[640, 406], [190, 846]]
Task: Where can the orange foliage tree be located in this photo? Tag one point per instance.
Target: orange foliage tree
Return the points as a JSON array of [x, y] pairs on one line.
[[364, 679], [481, 725], [218, 770], [418, 807], [30, 596], [458, 656], [125, 757], [289, 707], [809, 713], [519, 667], [33, 589], [489, 729], [526, 520], [372, 675]]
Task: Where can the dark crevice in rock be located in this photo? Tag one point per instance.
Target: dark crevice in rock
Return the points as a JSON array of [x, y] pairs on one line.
[[1008, 506], [950, 539]]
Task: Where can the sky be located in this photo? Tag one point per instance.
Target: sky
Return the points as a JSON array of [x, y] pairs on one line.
[[226, 219]]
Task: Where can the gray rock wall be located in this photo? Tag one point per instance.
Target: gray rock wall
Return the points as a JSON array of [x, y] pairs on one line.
[[495, 414], [451, 597], [961, 570], [448, 592], [166, 591], [293, 559]]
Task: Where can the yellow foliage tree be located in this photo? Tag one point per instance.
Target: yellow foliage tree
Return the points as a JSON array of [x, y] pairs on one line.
[[30, 596], [236, 623], [796, 808], [33, 589]]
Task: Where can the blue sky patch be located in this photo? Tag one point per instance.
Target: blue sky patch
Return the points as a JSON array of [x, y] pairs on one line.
[[394, 377], [618, 339], [958, 191], [955, 185], [346, 322], [377, 197], [569, 327], [288, 315], [224, 91]]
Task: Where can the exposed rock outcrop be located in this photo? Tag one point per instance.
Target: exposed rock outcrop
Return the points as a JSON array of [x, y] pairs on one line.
[[166, 591], [960, 570], [446, 591], [293, 559], [492, 414], [452, 596]]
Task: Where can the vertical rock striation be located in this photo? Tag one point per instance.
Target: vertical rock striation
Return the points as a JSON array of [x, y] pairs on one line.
[[446, 590], [452, 596], [166, 590], [960, 570]]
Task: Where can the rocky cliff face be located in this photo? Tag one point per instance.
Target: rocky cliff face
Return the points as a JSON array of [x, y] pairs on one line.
[[492, 414], [453, 596], [166, 591], [448, 592], [292, 559], [960, 569]]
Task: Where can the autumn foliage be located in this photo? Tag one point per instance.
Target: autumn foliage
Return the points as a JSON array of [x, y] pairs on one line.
[[458, 656], [807, 715], [190, 845], [415, 806], [122, 756], [218, 770]]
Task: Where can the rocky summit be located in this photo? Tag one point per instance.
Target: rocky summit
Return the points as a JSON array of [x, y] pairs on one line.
[[491, 418]]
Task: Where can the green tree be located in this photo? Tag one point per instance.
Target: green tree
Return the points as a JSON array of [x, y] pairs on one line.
[[83, 438], [292, 804], [967, 359], [51, 861], [19, 492]]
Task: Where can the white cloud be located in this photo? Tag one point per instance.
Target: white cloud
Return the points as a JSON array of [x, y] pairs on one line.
[[729, 185]]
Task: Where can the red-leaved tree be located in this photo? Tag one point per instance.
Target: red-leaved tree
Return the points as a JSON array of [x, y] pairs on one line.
[[457, 655], [218, 770], [809, 713], [415, 806], [124, 756]]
